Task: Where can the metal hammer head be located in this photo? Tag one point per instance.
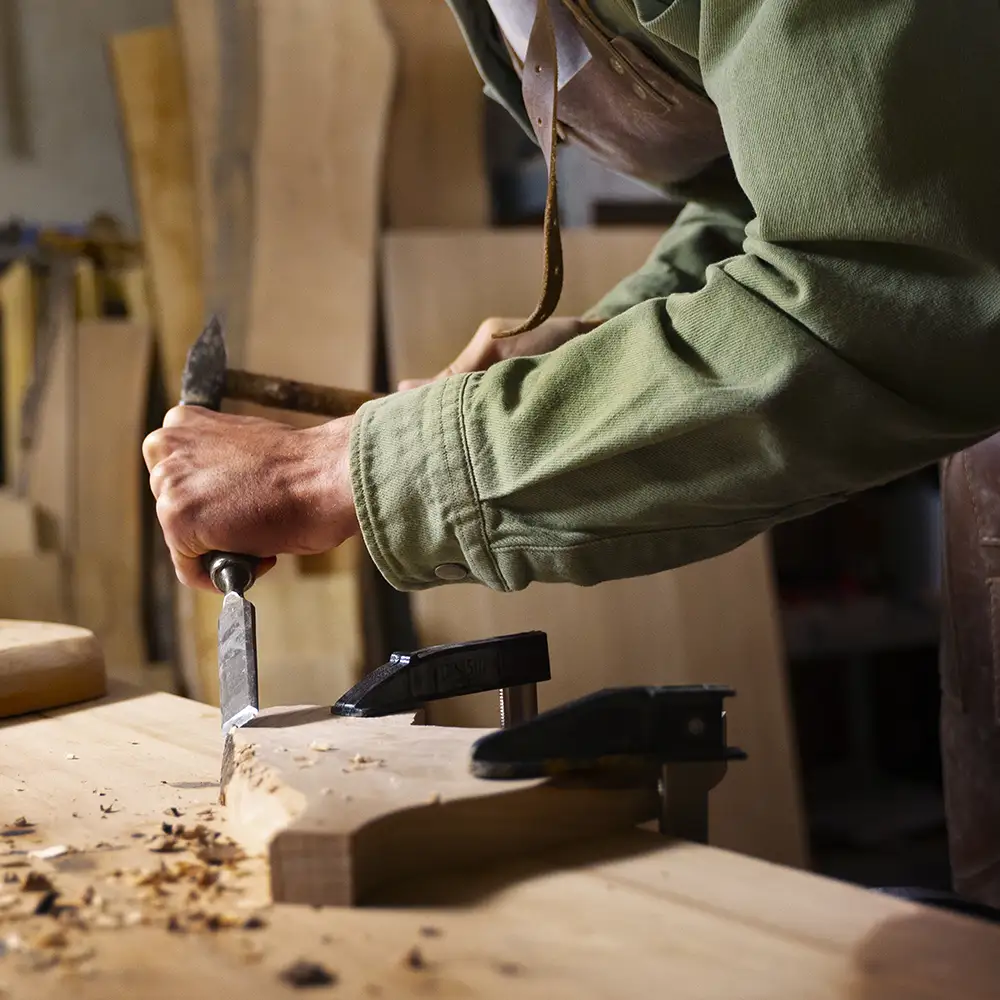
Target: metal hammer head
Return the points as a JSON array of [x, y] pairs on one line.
[[204, 380]]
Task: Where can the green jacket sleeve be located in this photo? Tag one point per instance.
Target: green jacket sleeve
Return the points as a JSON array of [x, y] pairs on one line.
[[854, 338], [699, 236]]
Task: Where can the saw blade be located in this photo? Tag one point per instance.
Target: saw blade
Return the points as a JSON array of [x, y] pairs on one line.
[[238, 698]]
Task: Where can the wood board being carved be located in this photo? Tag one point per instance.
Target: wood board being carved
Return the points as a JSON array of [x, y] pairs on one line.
[[347, 806], [664, 629], [435, 168]]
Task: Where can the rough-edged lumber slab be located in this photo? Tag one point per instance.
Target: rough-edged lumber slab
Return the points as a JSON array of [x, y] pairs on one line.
[[45, 665], [152, 95], [435, 170], [346, 806], [662, 629]]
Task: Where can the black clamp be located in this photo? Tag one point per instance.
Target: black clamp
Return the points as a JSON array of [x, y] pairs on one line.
[[511, 664], [677, 732]]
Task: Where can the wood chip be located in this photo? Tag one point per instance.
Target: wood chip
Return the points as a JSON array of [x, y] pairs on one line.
[[72, 756], [21, 821], [166, 845], [304, 974], [414, 959], [320, 746], [46, 853], [37, 882]]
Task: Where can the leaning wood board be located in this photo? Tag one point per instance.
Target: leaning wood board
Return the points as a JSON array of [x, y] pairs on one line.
[[299, 128], [47, 665], [347, 806], [152, 97], [622, 917], [714, 622], [435, 170], [17, 338], [113, 361]]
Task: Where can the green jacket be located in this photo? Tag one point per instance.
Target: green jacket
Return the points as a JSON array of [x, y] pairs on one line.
[[843, 333]]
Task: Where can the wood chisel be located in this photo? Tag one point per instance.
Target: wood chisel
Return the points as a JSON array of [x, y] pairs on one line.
[[232, 573]]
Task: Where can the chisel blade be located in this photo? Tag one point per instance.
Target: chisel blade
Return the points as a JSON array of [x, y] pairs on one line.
[[237, 662]]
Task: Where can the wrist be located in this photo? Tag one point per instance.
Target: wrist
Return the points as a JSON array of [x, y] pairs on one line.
[[329, 496]]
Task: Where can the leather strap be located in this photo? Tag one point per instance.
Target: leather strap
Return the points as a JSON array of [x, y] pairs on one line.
[[540, 89]]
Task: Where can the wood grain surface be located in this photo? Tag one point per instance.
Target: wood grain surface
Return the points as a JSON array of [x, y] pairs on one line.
[[629, 916]]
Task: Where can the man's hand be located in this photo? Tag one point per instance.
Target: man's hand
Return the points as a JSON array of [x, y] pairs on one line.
[[242, 484], [483, 350]]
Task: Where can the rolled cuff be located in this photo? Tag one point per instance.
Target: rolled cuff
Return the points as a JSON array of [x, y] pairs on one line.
[[415, 491]]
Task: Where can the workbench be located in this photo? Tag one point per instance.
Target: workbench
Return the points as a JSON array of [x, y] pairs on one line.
[[627, 916]]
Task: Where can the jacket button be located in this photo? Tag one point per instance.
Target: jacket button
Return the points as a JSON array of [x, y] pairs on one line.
[[451, 571], [616, 65]]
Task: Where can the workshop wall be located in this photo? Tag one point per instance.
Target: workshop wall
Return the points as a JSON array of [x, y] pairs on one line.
[[74, 164]]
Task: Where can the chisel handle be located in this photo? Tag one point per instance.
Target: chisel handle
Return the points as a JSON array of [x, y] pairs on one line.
[[230, 572]]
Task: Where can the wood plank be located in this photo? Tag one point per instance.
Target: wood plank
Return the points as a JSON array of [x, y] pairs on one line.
[[49, 458], [435, 168], [197, 22], [88, 291], [17, 336], [617, 917], [152, 95], [153, 100], [653, 630], [344, 807], [113, 362], [294, 273], [46, 665], [34, 587], [326, 71], [18, 527]]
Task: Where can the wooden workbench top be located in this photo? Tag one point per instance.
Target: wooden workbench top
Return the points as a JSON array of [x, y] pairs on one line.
[[629, 917]]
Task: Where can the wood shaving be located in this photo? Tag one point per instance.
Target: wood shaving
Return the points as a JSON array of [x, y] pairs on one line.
[[320, 746], [72, 756], [166, 845], [46, 853], [304, 974]]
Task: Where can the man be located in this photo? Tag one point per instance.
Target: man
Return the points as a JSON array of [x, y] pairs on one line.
[[823, 317]]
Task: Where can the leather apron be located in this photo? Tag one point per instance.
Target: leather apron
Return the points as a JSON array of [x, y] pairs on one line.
[[970, 668], [630, 113]]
